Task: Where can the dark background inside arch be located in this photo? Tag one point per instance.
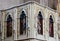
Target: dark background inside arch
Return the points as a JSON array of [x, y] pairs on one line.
[[22, 22], [51, 27], [40, 23], [9, 26]]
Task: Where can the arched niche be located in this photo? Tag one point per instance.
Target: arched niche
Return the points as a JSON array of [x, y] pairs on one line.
[[22, 23], [9, 26], [51, 26], [40, 23]]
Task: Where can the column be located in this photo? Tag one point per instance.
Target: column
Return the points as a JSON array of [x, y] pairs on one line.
[[15, 24], [3, 25]]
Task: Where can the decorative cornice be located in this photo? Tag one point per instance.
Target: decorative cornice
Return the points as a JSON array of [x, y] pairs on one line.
[[30, 2]]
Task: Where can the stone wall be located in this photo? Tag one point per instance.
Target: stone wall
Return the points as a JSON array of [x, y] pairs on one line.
[[11, 3], [31, 9]]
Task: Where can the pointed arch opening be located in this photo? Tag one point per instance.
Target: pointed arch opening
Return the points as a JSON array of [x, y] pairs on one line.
[[51, 29], [40, 23], [9, 26], [22, 23]]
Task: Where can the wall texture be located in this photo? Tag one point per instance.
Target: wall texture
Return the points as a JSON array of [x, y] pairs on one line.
[[4, 4]]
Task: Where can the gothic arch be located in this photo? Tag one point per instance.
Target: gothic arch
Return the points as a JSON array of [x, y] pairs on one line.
[[19, 13], [51, 26], [42, 12], [51, 14], [9, 26], [8, 15], [22, 22]]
